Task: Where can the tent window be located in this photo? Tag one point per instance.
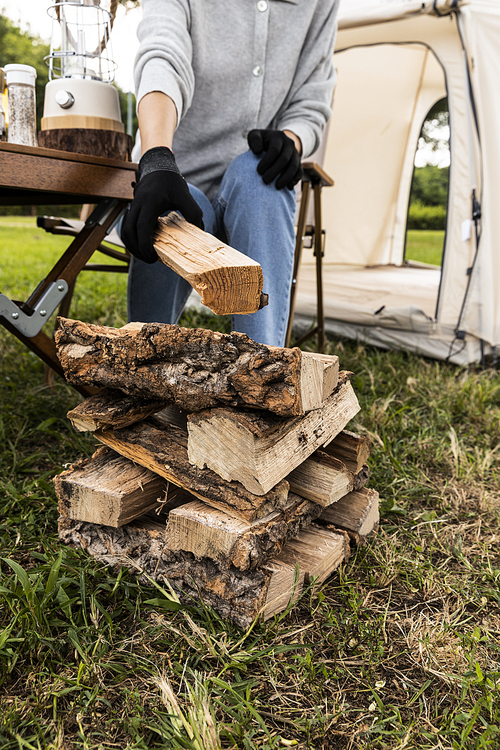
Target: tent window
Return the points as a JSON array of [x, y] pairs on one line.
[[426, 223]]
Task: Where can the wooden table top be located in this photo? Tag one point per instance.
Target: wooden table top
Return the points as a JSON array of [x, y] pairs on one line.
[[40, 176]]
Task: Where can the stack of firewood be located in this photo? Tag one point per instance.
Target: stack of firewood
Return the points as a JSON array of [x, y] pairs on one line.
[[225, 466]]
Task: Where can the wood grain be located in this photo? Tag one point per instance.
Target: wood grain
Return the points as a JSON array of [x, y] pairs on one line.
[[227, 281], [257, 448], [196, 527], [108, 489], [164, 450], [357, 512]]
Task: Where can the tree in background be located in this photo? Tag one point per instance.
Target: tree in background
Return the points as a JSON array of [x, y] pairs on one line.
[[429, 188], [18, 46], [430, 185], [435, 133]]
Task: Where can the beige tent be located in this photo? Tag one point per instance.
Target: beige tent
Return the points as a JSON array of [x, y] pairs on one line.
[[395, 59]]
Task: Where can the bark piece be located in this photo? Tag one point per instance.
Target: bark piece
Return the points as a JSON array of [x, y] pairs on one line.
[[108, 489], [236, 595], [353, 449], [357, 512], [322, 479], [195, 368], [259, 449], [228, 281], [362, 477], [196, 527], [110, 408], [164, 451], [110, 144]]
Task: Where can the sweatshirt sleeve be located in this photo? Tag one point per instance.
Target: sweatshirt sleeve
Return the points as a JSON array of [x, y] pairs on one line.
[[307, 107], [164, 59]]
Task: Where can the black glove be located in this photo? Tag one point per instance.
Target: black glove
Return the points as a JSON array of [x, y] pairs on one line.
[[281, 157], [160, 187]]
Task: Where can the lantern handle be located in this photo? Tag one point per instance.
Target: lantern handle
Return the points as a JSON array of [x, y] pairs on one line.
[[113, 6]]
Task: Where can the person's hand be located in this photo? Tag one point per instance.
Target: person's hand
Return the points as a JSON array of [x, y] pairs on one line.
[[281, 157], [160, 188]]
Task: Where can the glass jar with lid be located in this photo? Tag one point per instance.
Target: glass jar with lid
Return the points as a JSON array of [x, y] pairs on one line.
[[21, 104]]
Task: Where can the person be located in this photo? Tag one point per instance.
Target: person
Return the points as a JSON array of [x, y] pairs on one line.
[[231, 95]]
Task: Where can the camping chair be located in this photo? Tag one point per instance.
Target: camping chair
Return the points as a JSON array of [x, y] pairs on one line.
[[313, 177], [316, 178]]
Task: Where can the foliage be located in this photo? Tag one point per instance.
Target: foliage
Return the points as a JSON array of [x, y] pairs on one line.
[[124, 103], [435, 129], [18, 46], [400, 648], [430, 185], [421, 216]]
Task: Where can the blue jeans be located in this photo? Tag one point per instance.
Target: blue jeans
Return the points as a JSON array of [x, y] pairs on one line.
[[258, 220]]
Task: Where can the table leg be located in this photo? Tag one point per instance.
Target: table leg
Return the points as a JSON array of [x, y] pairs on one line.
[[66, 269]]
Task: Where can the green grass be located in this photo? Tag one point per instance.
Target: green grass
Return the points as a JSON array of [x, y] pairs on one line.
[[399, 649], [424, 246]]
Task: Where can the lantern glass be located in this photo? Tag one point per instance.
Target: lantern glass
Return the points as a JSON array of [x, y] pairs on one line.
[[80, 44]]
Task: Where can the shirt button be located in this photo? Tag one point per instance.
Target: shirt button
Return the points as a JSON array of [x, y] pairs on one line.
[[257, 71], [262, 5]]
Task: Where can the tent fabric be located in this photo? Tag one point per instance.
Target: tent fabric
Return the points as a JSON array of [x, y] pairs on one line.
[[390, 73]]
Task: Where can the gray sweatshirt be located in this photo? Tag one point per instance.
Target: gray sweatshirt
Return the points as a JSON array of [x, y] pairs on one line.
[[234, 65]]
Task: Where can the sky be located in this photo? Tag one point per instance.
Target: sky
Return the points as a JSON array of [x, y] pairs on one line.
[[31, 15]]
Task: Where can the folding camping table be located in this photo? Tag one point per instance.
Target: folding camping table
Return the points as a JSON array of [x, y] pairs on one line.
[[39, 176]]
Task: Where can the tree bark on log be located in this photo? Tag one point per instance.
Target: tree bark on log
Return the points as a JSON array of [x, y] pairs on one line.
[[164, 451], [227, 281], [110, 144], [195, 368], [236, 595], [112, 409]]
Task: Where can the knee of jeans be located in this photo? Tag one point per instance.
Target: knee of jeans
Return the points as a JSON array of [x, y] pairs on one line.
[[242, 176]]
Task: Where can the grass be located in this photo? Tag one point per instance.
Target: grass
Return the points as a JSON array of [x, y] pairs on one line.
[[425, 246], [399, 649]]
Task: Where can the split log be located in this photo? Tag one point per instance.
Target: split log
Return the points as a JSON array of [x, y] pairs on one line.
[[195, 368], [163, 450], [110, 408], [227, 281], [322, 479], [195, 527], [357, 512], [352, 449], [331, 371], [259, 449], [111, 490], [236, 595]]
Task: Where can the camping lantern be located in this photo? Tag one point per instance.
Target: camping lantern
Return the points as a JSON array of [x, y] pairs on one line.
[[81, 107]]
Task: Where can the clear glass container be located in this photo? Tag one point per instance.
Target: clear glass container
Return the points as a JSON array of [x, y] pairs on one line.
[[21, 104]]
